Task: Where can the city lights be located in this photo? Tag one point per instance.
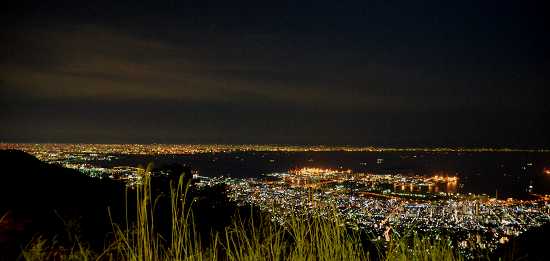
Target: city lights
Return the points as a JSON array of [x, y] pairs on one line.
[[432, 202]]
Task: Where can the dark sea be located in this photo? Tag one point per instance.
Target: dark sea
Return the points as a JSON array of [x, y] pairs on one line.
[[510, 174]]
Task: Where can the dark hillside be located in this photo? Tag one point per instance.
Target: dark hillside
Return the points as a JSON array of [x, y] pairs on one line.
[[37, 198], [40, 199]]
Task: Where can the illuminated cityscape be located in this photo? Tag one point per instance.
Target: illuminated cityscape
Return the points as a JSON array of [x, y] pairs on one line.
[[378, 203], [375, 202]]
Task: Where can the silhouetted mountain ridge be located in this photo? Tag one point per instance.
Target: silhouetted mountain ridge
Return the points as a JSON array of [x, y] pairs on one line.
[[38, 198], [47, 199], [28, 182]]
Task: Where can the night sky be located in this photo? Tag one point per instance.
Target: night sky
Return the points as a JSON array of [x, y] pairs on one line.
[[383, 73]]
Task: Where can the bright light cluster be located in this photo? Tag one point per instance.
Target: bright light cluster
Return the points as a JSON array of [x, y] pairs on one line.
[[307, 171], [438, 178]]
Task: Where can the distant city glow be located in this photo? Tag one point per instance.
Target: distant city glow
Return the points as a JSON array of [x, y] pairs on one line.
[[44, 150]]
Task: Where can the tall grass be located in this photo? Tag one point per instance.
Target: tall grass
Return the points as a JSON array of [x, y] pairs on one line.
[[40, 249], [140, 239], [311, 238], [415, 247]]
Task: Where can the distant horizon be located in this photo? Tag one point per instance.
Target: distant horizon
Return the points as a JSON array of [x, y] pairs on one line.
[[329, 147]]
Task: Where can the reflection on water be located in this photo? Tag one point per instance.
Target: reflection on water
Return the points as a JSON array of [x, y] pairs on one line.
[[431, 185], [451, 187], [512, 173]]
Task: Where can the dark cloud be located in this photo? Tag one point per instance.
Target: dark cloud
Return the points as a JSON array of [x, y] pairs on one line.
[[291, 73]]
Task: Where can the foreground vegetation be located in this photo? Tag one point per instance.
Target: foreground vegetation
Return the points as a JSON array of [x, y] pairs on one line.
[[312, 238]]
